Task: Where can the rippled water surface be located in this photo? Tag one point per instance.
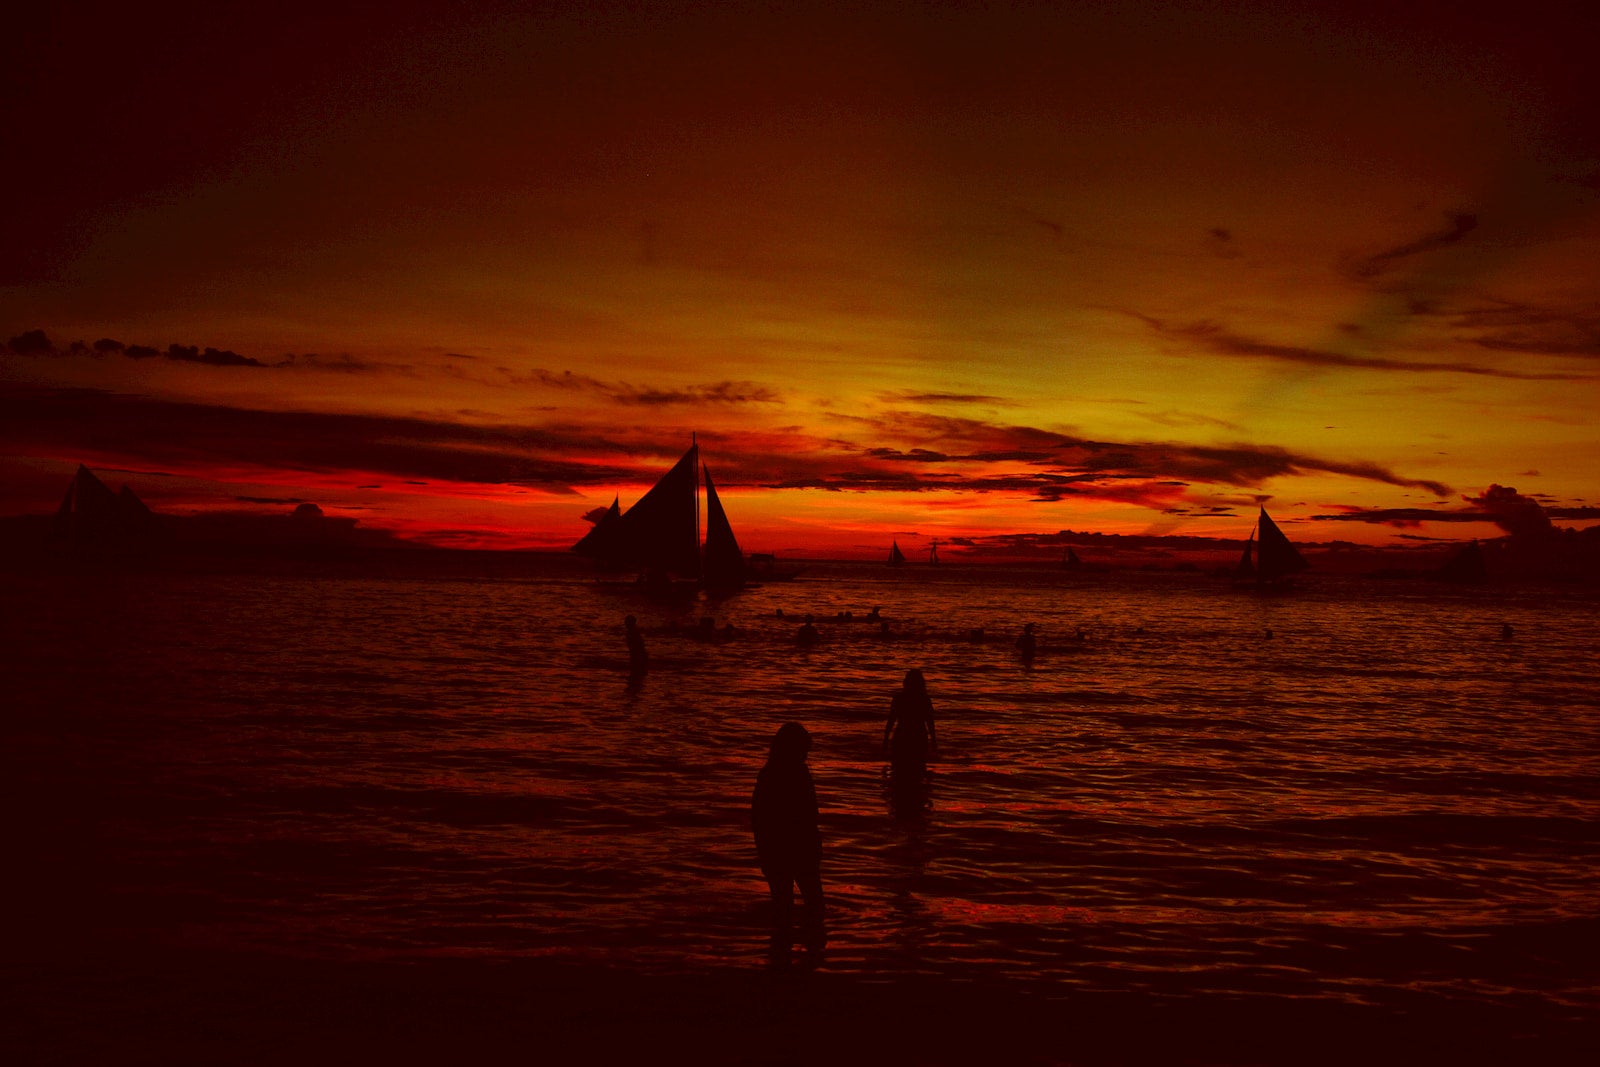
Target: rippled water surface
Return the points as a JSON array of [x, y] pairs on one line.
[[1380, 796]]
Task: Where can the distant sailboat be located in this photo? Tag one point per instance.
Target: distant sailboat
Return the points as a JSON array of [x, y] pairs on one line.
[[660, 535], [1070, 560], [933, 552], [92, 518], [1275, 558], [896, 557]]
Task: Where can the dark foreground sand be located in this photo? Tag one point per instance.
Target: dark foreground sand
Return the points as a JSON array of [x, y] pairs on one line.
[[206, 1008]]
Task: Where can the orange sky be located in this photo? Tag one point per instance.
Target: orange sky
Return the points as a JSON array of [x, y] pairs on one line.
[[907, 273]]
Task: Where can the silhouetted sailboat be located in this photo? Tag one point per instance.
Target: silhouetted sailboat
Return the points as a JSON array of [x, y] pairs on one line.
[[660, 535], [896, 557], [1275, 558], [1070, 560], [933, 552], [92, 518]]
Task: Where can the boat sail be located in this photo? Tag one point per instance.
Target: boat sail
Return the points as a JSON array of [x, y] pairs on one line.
[[897, 558], [605, 539], [1276, 558], [723, 564], [1246, 571], [660, 535], [1070, 561], [933, 552]]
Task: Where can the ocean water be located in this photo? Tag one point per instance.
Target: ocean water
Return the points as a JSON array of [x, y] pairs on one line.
[[1380, 800]]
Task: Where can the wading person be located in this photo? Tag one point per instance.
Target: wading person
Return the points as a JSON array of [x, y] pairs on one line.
[[783, 813], [638, 658], [908, 736]]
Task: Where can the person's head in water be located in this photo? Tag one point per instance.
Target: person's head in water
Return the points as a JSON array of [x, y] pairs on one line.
[[914, 682], [790, 744]]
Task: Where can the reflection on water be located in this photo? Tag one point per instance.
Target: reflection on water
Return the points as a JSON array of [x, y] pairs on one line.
[[1382, 794]]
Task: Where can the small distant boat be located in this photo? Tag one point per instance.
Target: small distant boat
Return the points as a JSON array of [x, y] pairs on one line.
[[660, 535], [1070, 560], [933, 552], [897, 558], [1275, 558]]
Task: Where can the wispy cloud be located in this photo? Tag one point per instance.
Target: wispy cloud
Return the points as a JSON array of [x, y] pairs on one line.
[[893, 452], [200, 437], [726, 392], [1457, 226], [908, 397], [931, 439], [1214, 339], [36, 343], [1516, 326]]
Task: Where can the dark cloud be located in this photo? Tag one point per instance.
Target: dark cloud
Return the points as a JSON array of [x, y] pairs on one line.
[[1401, 518], [199, 437], [35, 343], [924, 453], [1510, 326], [623, 393], [210, 356], [916, 455], [908, 397], [1507, 508], [31, 343], [720, 393], [343, 364], [928, 438], [1216, 340], [1518, 515], [1458, 225]]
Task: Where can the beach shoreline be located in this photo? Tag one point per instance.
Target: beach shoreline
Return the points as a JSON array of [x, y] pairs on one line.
[[253, 1008]]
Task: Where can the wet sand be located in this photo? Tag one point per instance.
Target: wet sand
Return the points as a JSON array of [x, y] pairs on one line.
[[212, 1008]]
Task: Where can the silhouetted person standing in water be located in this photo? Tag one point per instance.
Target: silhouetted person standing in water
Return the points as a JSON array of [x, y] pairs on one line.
[[783, 813], [1027, 644], [908, 736], [638, 658], [806, 636]]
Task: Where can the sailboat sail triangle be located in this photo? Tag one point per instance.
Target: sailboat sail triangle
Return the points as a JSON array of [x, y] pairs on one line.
[[661, 533], [1247, 567], [1276, 557], [604, 541], [896, 557], [724, 563]]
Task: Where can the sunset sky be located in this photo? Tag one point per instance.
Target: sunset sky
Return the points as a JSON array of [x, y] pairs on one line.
[[465, 272]]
